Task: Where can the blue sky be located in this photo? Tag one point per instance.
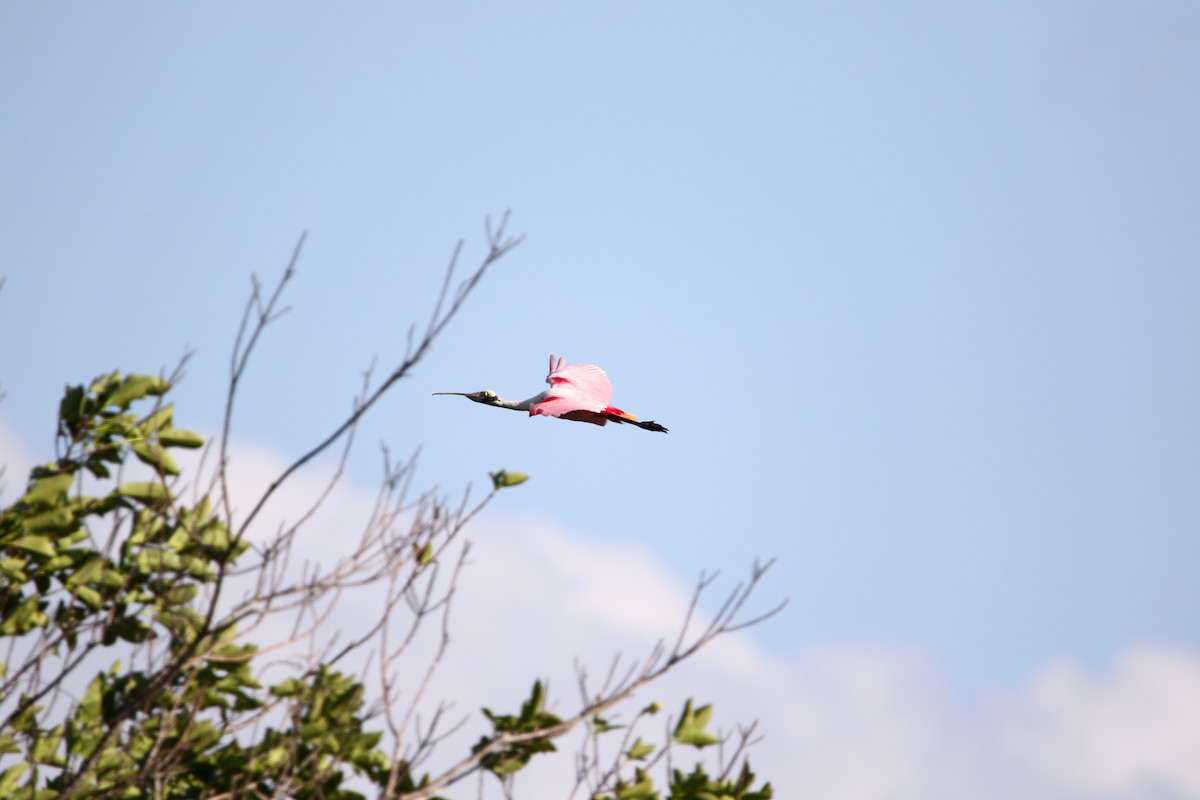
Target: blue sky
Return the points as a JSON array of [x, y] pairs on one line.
[[916, 287]]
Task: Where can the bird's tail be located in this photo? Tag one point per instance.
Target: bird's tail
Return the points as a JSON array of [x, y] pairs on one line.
[[617, 415]]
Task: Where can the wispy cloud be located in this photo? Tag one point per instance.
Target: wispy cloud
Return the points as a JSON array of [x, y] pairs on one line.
[[854, 721]]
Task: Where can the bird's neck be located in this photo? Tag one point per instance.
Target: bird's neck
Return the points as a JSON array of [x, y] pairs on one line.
[[520, 405], [515, 405]]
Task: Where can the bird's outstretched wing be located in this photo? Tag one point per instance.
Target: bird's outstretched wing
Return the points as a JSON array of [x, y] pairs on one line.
[[574, 387]]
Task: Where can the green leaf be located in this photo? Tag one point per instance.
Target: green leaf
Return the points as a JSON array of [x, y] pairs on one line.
[[601, 725], [89, 707], [210, 698], [44, 748], [9, 778], [424, 554], [313, 730], [55, 564], [197, 568], [13, 569], [179, 540], [159, 420], [36, 544], [70, 410], [105, 383], [641, 789], [289, 688], [89, 596], [183, 622], [275, 757], [503, 478], [639, 750], [26, 617], [73, 538], [154, 455], [135, 387], [89, 569], [231, 683], [151, 561], [98, 469], [58, 520], [215, 538], [130, 629], [180, 595], [230, 652], [147, 492], [111, 578], [49, 491], [175, 438], [533, 706], [204, 510], [692, 723], [507, 767]]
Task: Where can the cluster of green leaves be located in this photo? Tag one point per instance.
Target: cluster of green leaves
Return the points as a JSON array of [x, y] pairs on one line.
[[690, 730], [516, 738], [63, 596], [55, 577], [694, 785]]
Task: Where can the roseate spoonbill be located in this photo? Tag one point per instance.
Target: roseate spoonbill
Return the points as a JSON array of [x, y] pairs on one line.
[[579, 392]]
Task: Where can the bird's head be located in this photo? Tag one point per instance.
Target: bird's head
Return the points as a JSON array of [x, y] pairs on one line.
[[487, 396]]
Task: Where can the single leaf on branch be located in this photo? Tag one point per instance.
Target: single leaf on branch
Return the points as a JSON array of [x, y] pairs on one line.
[[40, 545], [155, 456], [178, 438], [639, 750], [692, 723], [134, 387], [146, 491], [503, 478], [48, 491]]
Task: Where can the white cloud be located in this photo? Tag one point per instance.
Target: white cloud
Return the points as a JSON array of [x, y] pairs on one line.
[[1132, 732], [855, 722]]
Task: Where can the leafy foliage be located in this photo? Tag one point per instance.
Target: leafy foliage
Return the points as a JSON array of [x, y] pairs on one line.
[[690, 731], [168, 726], [514, 738]]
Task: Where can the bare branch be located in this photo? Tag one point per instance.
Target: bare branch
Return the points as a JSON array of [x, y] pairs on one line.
[[653, 668], [500, 245]]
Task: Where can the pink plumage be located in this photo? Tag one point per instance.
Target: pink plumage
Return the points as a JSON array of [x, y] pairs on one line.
[[573, 387]]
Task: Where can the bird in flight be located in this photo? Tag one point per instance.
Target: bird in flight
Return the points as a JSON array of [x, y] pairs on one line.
[[579, 392]]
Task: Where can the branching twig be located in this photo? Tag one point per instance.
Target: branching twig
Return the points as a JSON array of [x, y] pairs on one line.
[[375, 556], [654, 667]]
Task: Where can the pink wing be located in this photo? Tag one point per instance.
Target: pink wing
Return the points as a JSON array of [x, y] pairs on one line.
[[573, 387]]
